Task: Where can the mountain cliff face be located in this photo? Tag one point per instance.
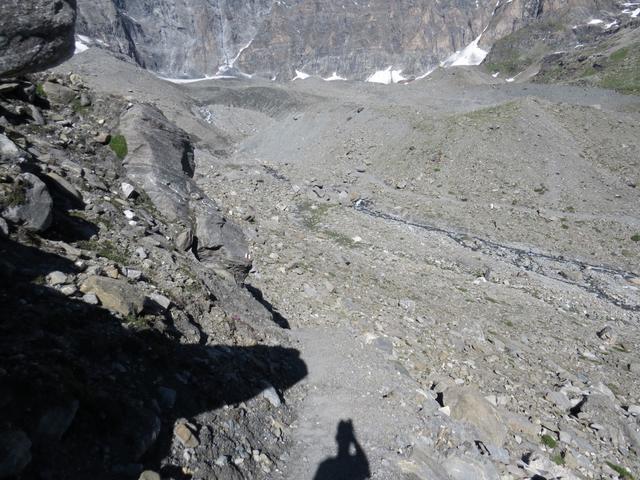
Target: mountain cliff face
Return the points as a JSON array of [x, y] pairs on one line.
[[272, 38]]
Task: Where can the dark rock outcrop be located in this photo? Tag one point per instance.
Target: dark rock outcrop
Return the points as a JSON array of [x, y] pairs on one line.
[[35, 34]]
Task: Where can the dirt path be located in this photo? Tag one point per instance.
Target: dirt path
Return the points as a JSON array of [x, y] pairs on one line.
[[350, 380]]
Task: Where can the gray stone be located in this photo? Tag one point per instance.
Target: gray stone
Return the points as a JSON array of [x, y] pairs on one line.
[[559, 399], [36, 212], [57, 93], [149, 475], [68, 290], [185, 436], [128, 190], [85, 100], [8, 149], [467, 404], [91, 299], [467, 468], [133, 274], [161, 300], [15, 452], [36, 35], [116, 295], [184, 240], [102, 138], [271, 396], [67, 187], [36, 115], [56, 278], [4, 227]]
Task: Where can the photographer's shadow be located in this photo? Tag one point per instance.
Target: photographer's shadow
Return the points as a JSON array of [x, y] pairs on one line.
[[351, 462]]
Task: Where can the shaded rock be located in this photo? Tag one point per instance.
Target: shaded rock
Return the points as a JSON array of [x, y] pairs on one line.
[[56, 421], [15, 453], [116, 295], [34, 210], [36, 35], [4, 227], [65, 186], [166, 397], [467, 404]]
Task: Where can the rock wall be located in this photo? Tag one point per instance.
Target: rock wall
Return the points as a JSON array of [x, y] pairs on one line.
[[194, 38]]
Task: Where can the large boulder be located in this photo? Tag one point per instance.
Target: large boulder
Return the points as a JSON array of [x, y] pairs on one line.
[[160, 162], [30, 203], [468, 405], [115, 295], [35, 35]]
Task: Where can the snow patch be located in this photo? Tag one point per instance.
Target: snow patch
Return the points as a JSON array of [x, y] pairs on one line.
[[472, 54], [334, 77], [387, 76], [300, 76], [425, 75]]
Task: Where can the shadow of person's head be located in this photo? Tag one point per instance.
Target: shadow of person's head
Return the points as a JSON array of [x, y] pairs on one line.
[[351, 463]]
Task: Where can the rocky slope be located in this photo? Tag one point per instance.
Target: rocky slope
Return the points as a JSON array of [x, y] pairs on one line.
[[194, 38], [230, 279]]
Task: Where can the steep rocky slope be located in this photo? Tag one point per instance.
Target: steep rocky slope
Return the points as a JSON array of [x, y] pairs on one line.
[[194, 38]]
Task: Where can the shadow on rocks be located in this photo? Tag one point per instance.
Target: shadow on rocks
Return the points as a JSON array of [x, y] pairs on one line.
[[81, 396], [351, 463], [277, 316]]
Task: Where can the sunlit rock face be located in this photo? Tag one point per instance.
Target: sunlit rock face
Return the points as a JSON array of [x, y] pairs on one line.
[[332, 39]]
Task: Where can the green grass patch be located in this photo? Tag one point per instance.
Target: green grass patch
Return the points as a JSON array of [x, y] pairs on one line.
[[620, 470], [549, 441], [636, 237], [119, 146], [105, 249], [40, 91], [558, 459]]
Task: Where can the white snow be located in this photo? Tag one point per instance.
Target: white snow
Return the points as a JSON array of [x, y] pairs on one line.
[[82, 44], [472, 54], [496, 75], [334, 77], [80, 47], [387, 76], [425, 75], [191, 80], [233, 61], [300, 75], [595, 21]]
